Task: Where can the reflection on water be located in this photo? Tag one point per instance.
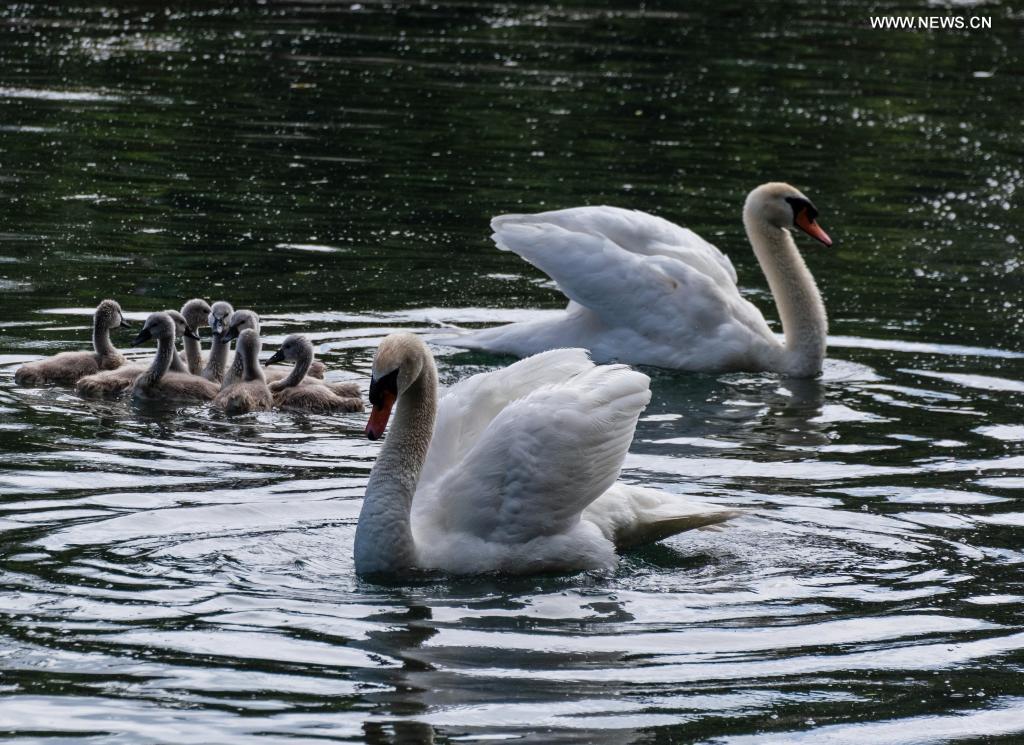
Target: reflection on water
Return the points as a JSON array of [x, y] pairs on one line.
[[174, 575]]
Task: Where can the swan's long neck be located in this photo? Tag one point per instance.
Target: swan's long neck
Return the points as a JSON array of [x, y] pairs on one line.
[[217, 360], [101, 336], [800, 306], [162, 362], [384, 541], [302, 365], [194, 355]]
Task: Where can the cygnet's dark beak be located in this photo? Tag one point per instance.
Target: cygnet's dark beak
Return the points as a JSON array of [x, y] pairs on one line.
[[191, 333], [143, 336], [274, 358], [230, 335]]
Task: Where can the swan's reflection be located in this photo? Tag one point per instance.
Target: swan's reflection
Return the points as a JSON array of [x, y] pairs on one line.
[[406, 631], [795, 419], [398, 733], [431, 694], [734, 411]]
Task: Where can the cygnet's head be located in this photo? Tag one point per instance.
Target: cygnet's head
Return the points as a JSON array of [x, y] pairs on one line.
[[293, 348], [110, 316], [784, 206], [196, 313], [220, 312], [182, 327], [240, 321], [158, 326], [397, 365]]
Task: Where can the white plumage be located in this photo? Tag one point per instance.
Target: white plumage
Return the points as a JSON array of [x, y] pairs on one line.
[[521, 473], [645, 291]]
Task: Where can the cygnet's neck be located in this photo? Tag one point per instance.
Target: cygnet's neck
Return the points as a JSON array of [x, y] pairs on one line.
[[193, 355], [302, 364], [101, 336], [162, 362], [178, 365], [249, 352], [217, 360]]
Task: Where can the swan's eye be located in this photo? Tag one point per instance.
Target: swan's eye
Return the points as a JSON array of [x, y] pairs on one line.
[[804, 216], [385, 384], [799, 205]]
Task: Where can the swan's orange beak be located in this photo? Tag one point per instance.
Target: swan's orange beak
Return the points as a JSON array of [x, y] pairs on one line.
[[809, 226], [379, 416]]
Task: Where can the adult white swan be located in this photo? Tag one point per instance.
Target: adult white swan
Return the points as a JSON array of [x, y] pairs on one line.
[[645, 291], [515, 470]]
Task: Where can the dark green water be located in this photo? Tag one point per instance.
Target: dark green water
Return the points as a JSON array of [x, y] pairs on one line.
[[178, 577]]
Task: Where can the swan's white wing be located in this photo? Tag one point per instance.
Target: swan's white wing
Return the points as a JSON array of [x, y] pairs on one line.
[[541, 460], [655, 295], [633, 231], [469, 406]]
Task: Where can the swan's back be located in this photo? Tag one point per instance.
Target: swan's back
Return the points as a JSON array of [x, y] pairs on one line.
[[345, 389], [469, 406], [176, 386], [243, 397], [65, 368], [316, 372], [109, 383], [315, 398]]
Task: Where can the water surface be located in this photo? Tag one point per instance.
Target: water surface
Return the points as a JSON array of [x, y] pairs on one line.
[[175, 576]]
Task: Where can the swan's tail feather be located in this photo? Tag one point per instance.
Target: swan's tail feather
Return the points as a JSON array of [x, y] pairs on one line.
[[631, 516], [643, 532]]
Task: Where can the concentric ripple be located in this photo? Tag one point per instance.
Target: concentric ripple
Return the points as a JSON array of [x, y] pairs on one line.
[[158, 557]]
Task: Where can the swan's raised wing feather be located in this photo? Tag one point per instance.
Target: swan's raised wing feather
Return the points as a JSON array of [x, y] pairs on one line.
[[541, 459], [470, 405], [648, 293], [634, 231]]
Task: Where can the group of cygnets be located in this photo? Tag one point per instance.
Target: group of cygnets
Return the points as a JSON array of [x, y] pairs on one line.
[[235, 388]]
